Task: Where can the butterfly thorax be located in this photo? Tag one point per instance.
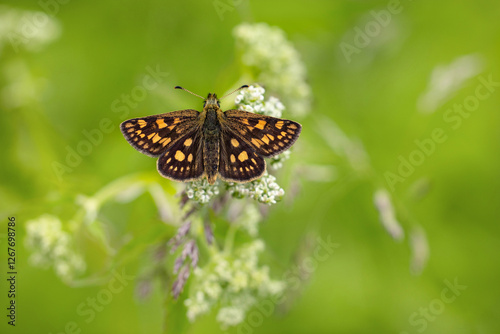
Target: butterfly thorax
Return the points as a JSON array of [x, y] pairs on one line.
[[211, 137]]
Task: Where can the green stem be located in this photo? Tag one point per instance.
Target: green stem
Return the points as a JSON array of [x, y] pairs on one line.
[[229, 242], [199, 232]]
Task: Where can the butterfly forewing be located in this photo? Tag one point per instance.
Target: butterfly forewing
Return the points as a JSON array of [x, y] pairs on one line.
[[153, 135], [183, 161], [238, 160], [267, 135]]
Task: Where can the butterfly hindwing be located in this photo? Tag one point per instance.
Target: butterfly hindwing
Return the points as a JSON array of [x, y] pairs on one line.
[[238, 160], [183, 161], [153, 135], [268, 135]]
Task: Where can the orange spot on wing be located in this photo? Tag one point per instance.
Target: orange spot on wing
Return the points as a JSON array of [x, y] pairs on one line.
[[161, 123], [179, 156], [261, 124], [243, 156], [165, 141], [156, 138], [257, 142]]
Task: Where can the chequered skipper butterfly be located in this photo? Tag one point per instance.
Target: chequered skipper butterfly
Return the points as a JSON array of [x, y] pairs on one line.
[[192, 145]]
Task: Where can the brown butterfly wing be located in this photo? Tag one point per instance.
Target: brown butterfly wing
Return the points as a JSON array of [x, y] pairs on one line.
[[153, 135], [268, 135], [238, 160], [183, 160]]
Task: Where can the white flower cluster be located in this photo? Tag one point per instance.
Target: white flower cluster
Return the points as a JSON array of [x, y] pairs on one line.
[[201, 191], [275, 62], [252, 99], [264, 190], [249, 220], [31, 30], [52, 246], [235, 281], [276, 162]]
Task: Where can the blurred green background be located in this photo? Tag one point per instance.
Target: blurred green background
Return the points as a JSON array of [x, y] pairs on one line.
[[366, 285]]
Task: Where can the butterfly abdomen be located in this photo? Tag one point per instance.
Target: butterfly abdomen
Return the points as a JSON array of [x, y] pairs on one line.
[[211, 138]]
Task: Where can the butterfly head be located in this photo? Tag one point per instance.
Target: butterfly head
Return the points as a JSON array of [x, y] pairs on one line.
[[211, 101]]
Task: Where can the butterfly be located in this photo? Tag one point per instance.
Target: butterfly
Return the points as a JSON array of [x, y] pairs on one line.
[[229, 144]]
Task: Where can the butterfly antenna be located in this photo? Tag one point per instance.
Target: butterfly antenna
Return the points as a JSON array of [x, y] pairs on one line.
[[190, 92], [234, 91]]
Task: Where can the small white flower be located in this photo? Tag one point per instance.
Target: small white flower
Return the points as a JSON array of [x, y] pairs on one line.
[[50, 245], [222, 268], [196, 306], [249, 220], [230, 316], [251, 99], [231, 280], [274, 107], [260, 276], [211, 287], [275, 287], [264, 190], [201, 191], [277, 161], [239, 281], [62, 269]]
